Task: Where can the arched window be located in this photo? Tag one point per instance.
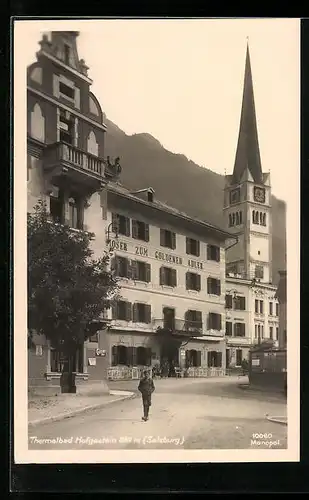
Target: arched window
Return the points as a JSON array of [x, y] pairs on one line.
[[237, 218], [37, 123], [253, 216], [264, 219], [230, 220], [261, 218], [240, 217], [233, 216]]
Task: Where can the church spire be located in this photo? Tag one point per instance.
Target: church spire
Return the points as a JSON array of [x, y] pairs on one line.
[[248, 152]]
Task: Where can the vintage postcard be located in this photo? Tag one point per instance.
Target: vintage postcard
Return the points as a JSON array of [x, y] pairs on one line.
[[156, 226]]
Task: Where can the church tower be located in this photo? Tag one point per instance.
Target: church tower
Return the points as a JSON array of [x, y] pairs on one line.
[[247, 198]]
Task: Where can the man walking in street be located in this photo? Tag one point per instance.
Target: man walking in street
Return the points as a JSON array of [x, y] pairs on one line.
[[146, 387]]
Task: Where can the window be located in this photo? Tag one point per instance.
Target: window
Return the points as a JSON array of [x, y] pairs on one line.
[[141, 271], [255, 217], [239, 330], [214, 359], [193, 281], [143, 356], [238, 357], [66, 90], [214, 321], [213, 286], [228, 328], [121, 266], [193, 320], [168, 276], [270, 308], [167, 239], [240, 217], [256, 331], [140, 230], [233, 219], [277, 309], [120, 355], [228, 301], [264, 220], [169, 318], [261, 218], [271, 332], [59, 360], [261, 306], [141, 313], [75, 213], [259, 272], [122, 310], [213, 253], [120, 224], [193, 358], [262, 331], [240, 303], [237, 218], [277, 333], [230, 220], [57, 206], [67, 127], [192, 247]]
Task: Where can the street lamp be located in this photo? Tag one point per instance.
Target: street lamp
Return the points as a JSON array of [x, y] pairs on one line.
[[109, 228]]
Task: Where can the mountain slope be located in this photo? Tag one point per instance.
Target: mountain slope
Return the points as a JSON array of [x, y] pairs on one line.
[[182, 183]]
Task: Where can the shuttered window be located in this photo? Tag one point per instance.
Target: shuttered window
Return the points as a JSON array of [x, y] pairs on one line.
[[120, 224], [213, 286], [229, 301], [239, 329], [193, 319], [240, 303], [121, 267], [213, 253], [140, 271], [214, 321], [193, 281], [140, 230], [192, 247], [228, 328], [167, 239], [168, 276], [122, 310], [141, 313]]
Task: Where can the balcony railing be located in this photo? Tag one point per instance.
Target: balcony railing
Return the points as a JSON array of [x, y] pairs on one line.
[[180, 326], [67, 155]]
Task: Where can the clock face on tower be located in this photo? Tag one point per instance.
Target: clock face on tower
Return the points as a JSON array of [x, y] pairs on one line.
[[259, 194], [235, 196]]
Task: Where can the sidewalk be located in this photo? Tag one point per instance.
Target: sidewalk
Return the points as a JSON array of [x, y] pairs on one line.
[[51, 409]]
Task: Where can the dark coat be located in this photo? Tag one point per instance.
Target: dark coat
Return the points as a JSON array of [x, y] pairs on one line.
[[146, 387]]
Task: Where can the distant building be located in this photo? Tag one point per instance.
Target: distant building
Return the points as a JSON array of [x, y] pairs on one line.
[[282, 298], [252, 308]]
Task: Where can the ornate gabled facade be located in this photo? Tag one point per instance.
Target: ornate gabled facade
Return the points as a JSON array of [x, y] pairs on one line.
[[252, 308]]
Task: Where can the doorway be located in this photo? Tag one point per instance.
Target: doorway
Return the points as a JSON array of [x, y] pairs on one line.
[[169, 318]]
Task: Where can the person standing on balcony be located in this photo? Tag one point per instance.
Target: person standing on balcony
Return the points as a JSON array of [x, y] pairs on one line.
[[146, 388]]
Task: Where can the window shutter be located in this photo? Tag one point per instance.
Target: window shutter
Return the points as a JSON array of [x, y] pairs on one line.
[[188, 281], [198, 282], [162, 237], [115, 265], [199, 358], [228, 301], [199, 319], [77, 97], [209, 359], [235, 328], [198, 248], [135, 312], [208, 285], [148, 314], [173, 241], [146, 232], [174, 277], [243, 330], [219, 322], [218, 287], [148, 273], [114, 355], [243, 303], [127, 226], [128, 311], [162, 275], [115, 222], [188, 245], [208, 253], [133, 270], [134, 229], [218, 254]]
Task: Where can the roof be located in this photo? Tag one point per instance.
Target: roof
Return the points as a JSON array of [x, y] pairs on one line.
[[121, 190], [248, 151]]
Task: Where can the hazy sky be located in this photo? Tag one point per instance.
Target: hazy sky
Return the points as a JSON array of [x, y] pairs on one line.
[[182, 82]]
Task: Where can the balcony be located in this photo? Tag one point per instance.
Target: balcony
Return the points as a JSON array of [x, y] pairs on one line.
[[179, 327], [63, 161]]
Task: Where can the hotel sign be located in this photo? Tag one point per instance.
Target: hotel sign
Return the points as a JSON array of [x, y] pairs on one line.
[[159, 255]]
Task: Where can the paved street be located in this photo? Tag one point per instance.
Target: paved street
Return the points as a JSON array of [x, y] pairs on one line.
[[186, 413]]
